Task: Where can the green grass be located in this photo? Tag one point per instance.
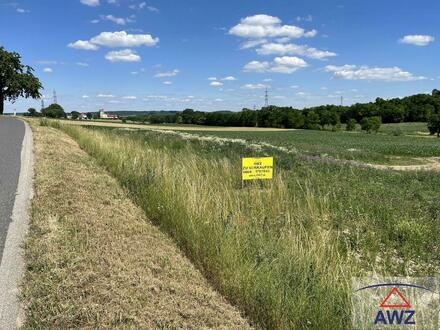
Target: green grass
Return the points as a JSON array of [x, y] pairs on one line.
[[404, 128], [278, 247], [374, 148]]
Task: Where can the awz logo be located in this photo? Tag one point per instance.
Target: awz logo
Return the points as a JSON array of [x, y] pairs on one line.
[[405, 316], [395, 303]]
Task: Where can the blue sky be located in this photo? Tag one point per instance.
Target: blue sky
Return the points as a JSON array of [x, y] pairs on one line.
[[221, 55]]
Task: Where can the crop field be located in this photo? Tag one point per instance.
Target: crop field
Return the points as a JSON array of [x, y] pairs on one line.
[[276, 248], [405, 128], [370, 148]]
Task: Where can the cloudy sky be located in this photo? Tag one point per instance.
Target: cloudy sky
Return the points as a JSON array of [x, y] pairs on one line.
[[222, 55]]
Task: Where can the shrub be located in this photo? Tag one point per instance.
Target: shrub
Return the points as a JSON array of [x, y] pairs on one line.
[[434, 124], [371, 124], [351, 125], [53, 111]]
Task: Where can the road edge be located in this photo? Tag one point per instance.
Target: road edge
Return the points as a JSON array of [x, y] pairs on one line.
[[12, 265]]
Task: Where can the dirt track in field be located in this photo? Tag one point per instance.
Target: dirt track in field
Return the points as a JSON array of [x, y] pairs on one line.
[[177, 128], [431, 164], [423, 163]]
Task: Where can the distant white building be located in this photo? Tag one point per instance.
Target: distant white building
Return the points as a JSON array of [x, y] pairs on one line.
[[103, 115]]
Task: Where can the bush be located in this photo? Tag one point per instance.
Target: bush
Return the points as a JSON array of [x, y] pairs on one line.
[[351, 125], [434, 124], [32, 113], [53, 111], [371, 124]]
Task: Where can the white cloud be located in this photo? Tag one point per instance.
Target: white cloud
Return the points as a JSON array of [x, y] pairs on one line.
[[283, 40], [85, 96], [229, 78], [22, 11], [254, 86], [116, 20], [285, 64], [143, 5], [47, 70], [354, 72], [125, 55], [310, 34], [82, 64], [293, 49], [105, 95], [129, 97], [167, 82], [417, 40], [172, 73], [218, 100], [94, 21], [216, 84], [91, 3], [47, 62], [83, 44], [124, 39], [264, 26], [212, 78], [261, 19], [153, 9], [257, 66], [253, 43], [307, 18]]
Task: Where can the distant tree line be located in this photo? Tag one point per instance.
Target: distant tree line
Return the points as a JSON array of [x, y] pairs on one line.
[[416, 108]]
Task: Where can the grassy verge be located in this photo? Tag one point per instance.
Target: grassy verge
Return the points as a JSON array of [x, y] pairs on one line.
[[283, 251], [264, 248], [95, 261]]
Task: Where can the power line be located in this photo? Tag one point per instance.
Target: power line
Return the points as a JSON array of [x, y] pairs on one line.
[[266, 98]]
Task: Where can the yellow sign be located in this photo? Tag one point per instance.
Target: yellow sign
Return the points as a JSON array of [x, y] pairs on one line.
[[257, 168]]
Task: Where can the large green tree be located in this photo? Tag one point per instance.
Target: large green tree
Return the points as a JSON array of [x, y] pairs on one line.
[[434, 124], [53, 111], [16, 80]]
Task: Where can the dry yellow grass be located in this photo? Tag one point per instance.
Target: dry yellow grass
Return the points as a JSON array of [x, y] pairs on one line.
[[175, 127], [94, 260]]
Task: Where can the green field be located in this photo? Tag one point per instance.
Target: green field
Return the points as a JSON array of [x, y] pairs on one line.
[[404, 128], [275, 248], [374, 148]]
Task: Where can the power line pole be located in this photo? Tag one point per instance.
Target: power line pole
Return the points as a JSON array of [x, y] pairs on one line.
[[266, 98], [42, 104], [342, 101], [55, 100]]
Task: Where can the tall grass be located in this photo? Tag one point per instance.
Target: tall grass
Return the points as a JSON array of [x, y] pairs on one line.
[[262, 246]]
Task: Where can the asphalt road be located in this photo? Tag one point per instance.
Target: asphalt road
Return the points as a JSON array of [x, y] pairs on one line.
[[11, 139]]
